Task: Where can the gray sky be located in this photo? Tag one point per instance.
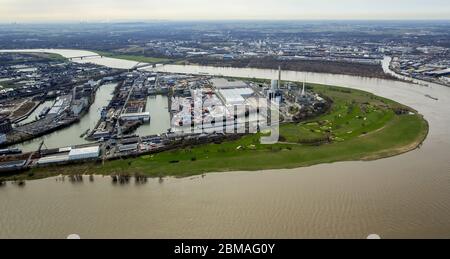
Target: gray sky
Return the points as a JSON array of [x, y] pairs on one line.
[[110, 10]]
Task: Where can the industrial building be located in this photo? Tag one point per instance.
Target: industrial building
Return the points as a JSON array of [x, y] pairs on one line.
[[12, 165], [234, 96], [142, 116], [77, 107], [3, 138], [128, 147], [221, 83], [84, 153], [275, 93], [439, 73], [61, 104], [53, 160], [229, 105], [5, 125], [66, 155]]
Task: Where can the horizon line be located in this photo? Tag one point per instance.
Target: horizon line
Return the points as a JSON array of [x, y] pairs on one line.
[[222, 20]]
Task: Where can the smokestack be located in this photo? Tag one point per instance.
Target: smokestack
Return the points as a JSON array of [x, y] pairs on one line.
[[303, 91], [279, 77], [74, 93]]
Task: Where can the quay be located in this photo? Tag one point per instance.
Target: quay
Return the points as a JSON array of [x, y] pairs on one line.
[[117, 148], [67, 110]]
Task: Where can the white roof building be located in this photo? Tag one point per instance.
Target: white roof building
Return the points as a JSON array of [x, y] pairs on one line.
[[235, 96], [53, 159], [145, 116], [84, 153], [220, 83]]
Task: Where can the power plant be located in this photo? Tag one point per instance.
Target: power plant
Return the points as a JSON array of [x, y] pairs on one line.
[[275, 90]]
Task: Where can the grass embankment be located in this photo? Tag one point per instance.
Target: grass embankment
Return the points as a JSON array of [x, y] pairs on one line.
[[136, 58], [33, 57], [9, 84], [48, 56], [36, 57], [359, 126], [315, 66]]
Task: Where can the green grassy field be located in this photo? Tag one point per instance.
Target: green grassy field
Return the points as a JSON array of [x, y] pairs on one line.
[[56, 57], [46, 56], [9, 84], [359, 126], [136, 58]]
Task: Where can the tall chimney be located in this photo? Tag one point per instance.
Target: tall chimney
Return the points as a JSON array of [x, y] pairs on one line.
[[279, 77], [303, 90]]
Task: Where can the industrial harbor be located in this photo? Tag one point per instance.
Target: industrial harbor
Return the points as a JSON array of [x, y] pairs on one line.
[[202, 109], [45, 94]]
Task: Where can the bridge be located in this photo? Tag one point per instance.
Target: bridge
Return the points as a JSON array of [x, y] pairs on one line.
[[153, 65], [141, 65], [83, 57], [138, 66]]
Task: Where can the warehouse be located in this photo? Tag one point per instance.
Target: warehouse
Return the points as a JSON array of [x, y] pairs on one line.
[[61, 104], [84, 153], [222, 83], [12, 165], [235, 96], [128, 148], [144, 116], [444, 72], [53, 160]]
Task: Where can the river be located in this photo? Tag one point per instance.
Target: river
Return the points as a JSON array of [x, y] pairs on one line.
[[406, 196]]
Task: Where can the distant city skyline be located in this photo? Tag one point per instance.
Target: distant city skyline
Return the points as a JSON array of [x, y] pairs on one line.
[[119, 10]]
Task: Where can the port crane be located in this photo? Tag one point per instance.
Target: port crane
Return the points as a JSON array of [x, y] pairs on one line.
[[33, 153]]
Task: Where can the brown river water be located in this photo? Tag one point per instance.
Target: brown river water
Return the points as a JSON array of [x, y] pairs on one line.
[[406, 196]]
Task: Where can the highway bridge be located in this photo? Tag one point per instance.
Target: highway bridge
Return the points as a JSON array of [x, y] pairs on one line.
[[153, 65], [83, 57], [138, 66]]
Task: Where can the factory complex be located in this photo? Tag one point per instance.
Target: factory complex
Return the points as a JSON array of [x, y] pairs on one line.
[[202, 109]]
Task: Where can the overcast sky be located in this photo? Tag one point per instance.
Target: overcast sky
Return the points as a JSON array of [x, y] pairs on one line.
[[111, 10]]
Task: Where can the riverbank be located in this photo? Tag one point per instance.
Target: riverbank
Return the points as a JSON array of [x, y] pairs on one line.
[[359, 127], [388, 68], [131, 57], [314, 66]]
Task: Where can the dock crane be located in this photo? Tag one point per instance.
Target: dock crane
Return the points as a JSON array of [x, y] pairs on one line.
[[33, 153]]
